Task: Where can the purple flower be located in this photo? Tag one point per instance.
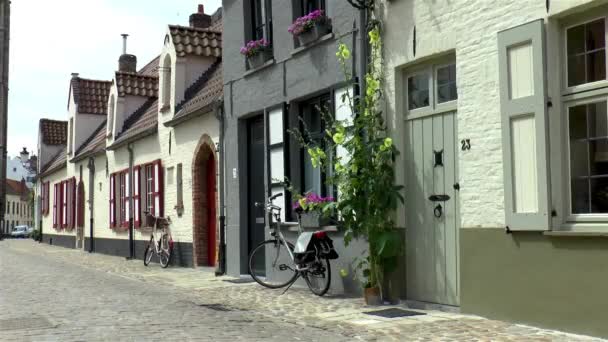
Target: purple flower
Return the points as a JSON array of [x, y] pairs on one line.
[[306, 22]]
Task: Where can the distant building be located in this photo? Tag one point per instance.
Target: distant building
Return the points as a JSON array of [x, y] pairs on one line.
[[22, 167], [18, 206]]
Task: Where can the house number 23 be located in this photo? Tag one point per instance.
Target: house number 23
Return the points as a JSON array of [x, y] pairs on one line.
[[466, 144]]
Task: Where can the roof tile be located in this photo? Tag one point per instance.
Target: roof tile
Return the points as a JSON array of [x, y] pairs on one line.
[[196, 41], [91, 96], [54, 132], [135, 84]]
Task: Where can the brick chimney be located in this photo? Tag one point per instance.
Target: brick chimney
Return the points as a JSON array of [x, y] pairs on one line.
[[200, 19], [126, 62]]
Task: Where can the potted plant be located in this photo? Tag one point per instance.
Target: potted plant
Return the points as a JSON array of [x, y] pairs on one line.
[[257, 53], [310, 27], [313, 209]]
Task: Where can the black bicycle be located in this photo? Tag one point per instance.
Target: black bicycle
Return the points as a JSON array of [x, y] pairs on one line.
[[275, 264]]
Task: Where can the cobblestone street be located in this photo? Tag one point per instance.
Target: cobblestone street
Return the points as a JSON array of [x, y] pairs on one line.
[[56, 294]]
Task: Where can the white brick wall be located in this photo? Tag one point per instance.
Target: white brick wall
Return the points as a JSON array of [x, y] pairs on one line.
[[469, 29]]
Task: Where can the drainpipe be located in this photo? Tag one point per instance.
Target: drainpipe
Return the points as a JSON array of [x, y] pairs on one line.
[[91, 167], [221, 267], [131, 241]]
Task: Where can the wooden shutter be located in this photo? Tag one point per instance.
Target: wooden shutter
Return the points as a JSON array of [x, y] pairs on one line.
[[521, 57], [55, 201], [125, 199], [71, 204], [137, 196], [113, 200], [46, 192]]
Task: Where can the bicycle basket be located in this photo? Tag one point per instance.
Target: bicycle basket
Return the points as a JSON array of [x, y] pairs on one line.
[[149, 221], [162, 222]]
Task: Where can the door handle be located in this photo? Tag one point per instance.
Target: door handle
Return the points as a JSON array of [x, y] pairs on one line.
[[439, 198]]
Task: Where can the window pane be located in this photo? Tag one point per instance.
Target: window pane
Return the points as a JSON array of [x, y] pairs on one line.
[[446, 83], [599, 199], [576, 40], [578, 122], [579, 159], [595, 35], [598, 119], [598, 153], [418, 91], [580, 196], [596, 66], [576, 70]]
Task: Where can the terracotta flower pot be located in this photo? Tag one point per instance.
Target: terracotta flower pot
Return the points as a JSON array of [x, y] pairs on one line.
[[319, 29], [372, 296]]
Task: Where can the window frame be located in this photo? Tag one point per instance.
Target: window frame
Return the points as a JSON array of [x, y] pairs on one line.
[[266, 25], [585, 19], [430, 68]]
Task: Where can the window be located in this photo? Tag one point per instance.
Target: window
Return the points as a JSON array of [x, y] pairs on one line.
[[149, 188], [166, 82], [55, 206], [112, 205], [13, 208], [586, 52], [110, 123], [313, 179], [261, 20], [431, 87], [307, 6]]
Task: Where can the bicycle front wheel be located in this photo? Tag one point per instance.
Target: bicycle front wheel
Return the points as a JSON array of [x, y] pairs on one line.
[[271, 265], [318, 276], [149, 252], [165, 251]]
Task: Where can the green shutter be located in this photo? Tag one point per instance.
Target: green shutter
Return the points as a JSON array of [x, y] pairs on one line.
[[521, 58]]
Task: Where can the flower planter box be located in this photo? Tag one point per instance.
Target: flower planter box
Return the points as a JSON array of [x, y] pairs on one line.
[[313, 220], [258, 59], [318, 30]]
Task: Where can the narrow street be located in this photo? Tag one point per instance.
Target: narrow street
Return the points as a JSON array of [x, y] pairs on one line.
[[52, 293], [47, 299]]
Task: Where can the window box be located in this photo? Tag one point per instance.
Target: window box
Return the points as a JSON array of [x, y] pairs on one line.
[[259, 59], [318, 30], [314, 219]]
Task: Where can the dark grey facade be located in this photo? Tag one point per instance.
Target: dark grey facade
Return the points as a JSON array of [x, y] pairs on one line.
[[294, 76]]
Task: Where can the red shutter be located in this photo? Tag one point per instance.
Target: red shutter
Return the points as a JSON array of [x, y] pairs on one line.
[[112, 200], [158, 188], [72, 204], [124, 196], [55, 202], [46, 192], [61, 216], [80, 203], [137, 196]]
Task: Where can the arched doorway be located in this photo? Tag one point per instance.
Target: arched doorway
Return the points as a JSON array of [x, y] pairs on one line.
[[204, 203]]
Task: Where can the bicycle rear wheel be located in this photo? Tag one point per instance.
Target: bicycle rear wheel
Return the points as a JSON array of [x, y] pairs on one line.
[[165, 251], [318, 276], [271, 265], [149, 252]]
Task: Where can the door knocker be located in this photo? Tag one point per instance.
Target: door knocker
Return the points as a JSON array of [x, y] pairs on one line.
[[438, 211]]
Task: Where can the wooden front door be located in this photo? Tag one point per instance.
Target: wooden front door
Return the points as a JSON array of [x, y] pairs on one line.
[[432, 217]]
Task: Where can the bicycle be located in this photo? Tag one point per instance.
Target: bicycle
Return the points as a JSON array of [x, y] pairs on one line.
[[164, 248], [284, 267]]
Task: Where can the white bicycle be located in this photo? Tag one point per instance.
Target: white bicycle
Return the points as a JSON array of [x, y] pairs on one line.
[[161, 243]]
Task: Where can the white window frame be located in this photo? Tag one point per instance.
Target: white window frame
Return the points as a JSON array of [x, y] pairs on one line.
[[434, 107], [564, 53], [569, 97]]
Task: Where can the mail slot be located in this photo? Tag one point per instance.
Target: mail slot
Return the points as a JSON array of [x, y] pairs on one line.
[[439, 198]]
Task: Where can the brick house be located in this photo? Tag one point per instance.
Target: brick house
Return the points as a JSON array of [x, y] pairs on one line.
[[501, 107], [144, 141]]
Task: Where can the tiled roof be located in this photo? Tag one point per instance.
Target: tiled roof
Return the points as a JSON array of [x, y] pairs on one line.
[[15, 187], [129, 83], [91, 96], [143, 121], [196, 41], [203, 92], [53, 132], [58, 162], [150, 69], [94, 144]]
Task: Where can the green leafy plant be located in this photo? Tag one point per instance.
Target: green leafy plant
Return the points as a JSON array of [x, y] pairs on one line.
[[364, 174]]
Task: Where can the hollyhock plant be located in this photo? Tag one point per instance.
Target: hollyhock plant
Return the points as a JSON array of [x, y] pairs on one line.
[[253, 47], [306, 23]]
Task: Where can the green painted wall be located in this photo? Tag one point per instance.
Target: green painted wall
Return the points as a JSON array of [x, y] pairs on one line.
[[553, 282]]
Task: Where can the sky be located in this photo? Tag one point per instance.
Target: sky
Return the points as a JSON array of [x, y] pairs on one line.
[[52, 39]]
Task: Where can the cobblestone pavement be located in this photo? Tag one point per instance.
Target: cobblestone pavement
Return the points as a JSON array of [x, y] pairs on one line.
[[91, 296]]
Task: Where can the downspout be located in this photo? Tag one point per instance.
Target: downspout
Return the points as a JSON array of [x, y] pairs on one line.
[[221, 267], [91, 167], [131, 241], [363, 22]]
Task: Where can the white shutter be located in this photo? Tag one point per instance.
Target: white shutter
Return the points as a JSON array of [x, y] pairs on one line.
[[157, 189], [276, 156], [521, 57]]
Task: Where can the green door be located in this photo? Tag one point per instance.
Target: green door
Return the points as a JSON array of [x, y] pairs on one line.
[[432, 218]]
